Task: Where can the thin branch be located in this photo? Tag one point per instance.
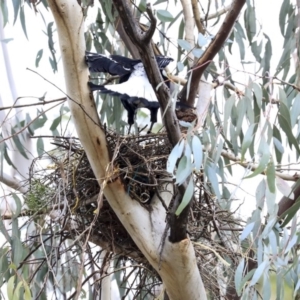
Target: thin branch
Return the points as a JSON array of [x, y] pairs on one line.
[[218, 13], [197, 18], [32, 104], [238, 161]]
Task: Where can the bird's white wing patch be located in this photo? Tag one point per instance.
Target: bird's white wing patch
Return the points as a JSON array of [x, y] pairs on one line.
[[137, 85]]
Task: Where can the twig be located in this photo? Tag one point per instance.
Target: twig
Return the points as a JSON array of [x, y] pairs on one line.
[[217, 13], [32, 104]]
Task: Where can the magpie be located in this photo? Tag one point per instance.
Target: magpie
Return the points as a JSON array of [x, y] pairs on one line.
[[134, 88]]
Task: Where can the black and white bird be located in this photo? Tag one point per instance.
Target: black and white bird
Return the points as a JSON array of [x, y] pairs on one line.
[[134, 88]]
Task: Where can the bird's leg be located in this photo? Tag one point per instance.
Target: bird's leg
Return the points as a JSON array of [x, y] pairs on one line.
[[129, 128], [150, 129]]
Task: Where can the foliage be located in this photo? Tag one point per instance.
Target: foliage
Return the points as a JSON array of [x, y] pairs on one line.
[[254, 123]]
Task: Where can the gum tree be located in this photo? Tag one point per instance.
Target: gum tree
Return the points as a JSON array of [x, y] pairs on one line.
[[184, 241]]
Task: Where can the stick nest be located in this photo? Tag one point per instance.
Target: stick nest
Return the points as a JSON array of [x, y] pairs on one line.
[[68, 191]]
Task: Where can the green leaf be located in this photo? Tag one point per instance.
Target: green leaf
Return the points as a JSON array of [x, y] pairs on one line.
[[184, 167], [247, 230], [228, 108], [284, 188], [267, 57], [38, 57], [10, 287], [16, 4], [258, 93], [55, 123], [22, 18], [40, 146], [202, 40], [17, 291], [238, 276], [4, 265], [212, 177], [279, 149], [4, 231], [4, 10], [184, 45], [259, 272], [240, 42], [282, 15], [18, 143], [295, 110], [39, 122], [197, 152], [283, 110], [164, 15], [27, 292], [263, 161], [250, 22], [241, 108], [7, 158], [18, 205], [290, 213], [189, 192], [180, 66], [197, 52], [248, 138], [174, 156], [270, 172], [284, 124]]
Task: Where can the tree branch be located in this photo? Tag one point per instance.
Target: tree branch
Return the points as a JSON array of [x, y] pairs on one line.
[[210, 53], [197, 18], [12, 183]]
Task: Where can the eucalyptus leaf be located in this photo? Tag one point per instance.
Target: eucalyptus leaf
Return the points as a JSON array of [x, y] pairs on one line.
[[174, 156], [238, 276], [247, 230], [259, 272], [189, 192], [164, 15], [212, 176], [184, 45], [197, 152]]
